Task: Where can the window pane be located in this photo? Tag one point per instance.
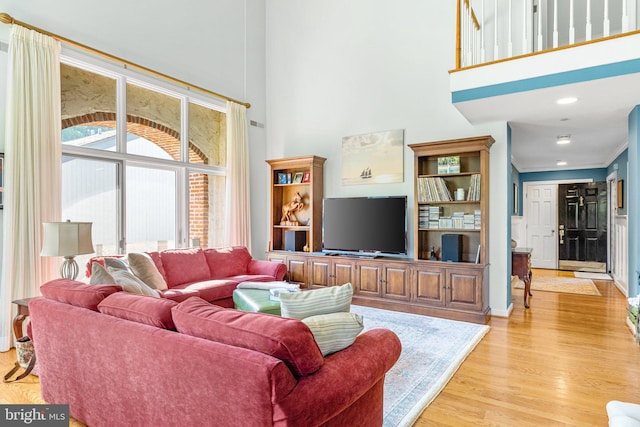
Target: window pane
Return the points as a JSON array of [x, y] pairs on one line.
[[88, 108], [206, 210], [151, 209], [207, 136], [155, 117], [89, 194]]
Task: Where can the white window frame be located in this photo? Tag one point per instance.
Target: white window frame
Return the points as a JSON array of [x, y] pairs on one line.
[[183, 168]]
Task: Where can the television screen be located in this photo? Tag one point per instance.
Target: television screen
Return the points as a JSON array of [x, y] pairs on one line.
[[365, 225]]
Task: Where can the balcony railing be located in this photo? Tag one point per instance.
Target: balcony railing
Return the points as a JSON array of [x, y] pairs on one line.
[[495, 30]]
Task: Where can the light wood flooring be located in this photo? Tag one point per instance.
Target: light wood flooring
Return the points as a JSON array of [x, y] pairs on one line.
[[555, 364]]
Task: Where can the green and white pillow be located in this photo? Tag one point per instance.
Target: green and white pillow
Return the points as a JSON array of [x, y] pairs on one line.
[[336, 331], [305, 304]]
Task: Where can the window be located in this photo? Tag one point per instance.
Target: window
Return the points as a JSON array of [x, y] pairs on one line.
[[143, 161]]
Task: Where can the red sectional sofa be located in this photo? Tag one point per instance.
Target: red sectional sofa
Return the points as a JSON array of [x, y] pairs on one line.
[[211, 274], [122, 359]]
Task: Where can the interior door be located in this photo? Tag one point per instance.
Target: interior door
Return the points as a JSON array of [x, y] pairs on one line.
[[541, 209], [582, 225]]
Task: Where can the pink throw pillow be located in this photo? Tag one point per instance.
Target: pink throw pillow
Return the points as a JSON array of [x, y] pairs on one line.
[[138, 308], [289, 340], [77, 293], [184, 266], [227, 262]]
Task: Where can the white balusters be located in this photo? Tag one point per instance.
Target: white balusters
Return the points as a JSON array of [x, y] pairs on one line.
[[547, 30], [540, 39], [555, 23], [496, 52], [605, 23], [482, 26], [572, 28], [588, 24]]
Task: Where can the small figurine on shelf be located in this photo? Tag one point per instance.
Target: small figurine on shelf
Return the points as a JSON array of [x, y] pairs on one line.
[[289, 210], [432, 254]]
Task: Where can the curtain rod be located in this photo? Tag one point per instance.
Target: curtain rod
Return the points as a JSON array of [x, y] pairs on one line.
[[8, 19]]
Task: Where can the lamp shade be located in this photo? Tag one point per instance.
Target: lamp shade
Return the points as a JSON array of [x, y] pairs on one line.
[[67, 239]]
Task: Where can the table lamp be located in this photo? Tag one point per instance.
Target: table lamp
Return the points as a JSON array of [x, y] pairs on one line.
[[67, 239]]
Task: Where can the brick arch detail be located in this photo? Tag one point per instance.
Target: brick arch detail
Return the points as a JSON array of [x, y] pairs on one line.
[[164, 137], [169, 140]]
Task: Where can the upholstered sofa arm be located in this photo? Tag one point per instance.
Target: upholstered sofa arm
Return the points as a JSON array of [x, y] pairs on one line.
[[348, 374], [269, 268]]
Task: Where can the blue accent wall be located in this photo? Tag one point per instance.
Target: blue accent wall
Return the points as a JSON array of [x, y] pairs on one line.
[[598, 174], [509, 213], [633, 210], [620, 166]]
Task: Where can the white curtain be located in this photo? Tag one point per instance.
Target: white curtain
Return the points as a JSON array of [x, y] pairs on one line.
[[237, 212], [32, 169]]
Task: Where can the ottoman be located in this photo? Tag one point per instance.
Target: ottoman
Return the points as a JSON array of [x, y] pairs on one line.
[[255, 300]]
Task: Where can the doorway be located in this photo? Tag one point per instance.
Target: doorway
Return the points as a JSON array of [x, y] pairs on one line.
[[582, 227]]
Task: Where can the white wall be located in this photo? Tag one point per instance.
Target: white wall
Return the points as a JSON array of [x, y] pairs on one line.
[[339, 68], [217, 44]]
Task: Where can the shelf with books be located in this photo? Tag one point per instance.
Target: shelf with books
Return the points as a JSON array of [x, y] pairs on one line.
[[452, 197]]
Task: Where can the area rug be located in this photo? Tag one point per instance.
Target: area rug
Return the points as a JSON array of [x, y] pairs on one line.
[[432, 351], [567, 285], [587, 275]]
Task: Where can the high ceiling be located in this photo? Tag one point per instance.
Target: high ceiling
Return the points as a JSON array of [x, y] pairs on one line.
[[597, 122]]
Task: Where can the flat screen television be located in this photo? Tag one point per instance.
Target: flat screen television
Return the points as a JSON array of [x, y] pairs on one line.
[[365, 226]]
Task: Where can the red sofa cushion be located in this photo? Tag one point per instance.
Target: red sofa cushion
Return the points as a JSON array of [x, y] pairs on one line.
[[184, 266], [227, 262], [77, 293], [138, 308], [157, 260], [289, 340]]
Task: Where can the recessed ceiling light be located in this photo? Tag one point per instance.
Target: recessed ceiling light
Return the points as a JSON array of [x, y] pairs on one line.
[[567, 100], [563, 139], [561, 163]]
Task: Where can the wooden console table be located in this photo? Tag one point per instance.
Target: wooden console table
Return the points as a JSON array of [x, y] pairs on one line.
[[521, 267]]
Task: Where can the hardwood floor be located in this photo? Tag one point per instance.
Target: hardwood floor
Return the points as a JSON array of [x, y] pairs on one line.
[[555, 364]]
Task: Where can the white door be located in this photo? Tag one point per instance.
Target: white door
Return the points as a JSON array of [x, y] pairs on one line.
[[541, 215]]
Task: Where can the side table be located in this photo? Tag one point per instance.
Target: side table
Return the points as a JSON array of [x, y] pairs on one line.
[[521, 267], [23, 313]]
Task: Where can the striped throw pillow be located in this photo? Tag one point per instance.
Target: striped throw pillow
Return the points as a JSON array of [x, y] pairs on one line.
[[304, 304], [334, 332]]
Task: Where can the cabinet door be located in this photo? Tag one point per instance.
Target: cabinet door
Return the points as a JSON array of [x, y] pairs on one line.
[[320, 272], [396, 282], [297, 269], [464, 289], [368, 283], [430, 287], [343, 272]]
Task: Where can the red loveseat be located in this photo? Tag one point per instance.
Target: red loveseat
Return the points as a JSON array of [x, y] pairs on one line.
[[211, 274], [122, 359]]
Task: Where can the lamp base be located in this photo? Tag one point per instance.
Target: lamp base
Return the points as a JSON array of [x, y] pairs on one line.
[[69, 268]]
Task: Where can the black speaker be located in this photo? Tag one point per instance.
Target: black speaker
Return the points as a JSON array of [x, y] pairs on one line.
[[294, 240], [452, 247]]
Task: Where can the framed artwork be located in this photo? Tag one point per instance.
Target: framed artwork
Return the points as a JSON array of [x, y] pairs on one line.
[[516, 201], [373, 158], [306, 176], [297, 178], [620, 194], [282, 178]]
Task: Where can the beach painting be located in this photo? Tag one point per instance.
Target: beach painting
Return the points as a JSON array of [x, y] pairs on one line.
[[373, 158]]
